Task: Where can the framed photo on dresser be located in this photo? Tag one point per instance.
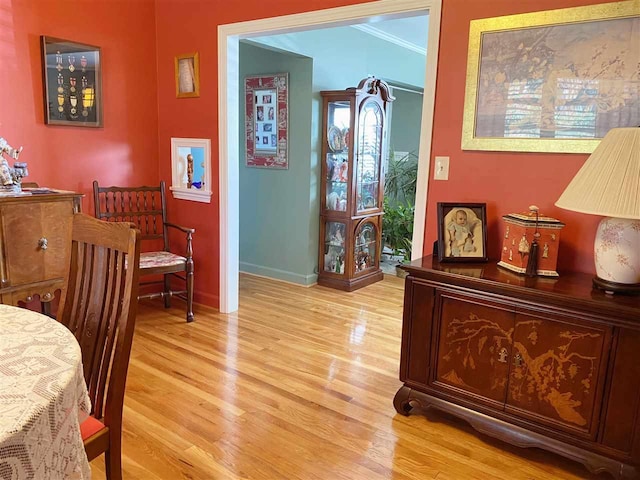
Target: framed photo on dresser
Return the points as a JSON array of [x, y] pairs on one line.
[[72, 83], [462, 232]]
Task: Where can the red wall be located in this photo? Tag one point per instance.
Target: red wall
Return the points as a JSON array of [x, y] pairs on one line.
[[125, 150], [507, 182], [182, 30], [139, 41]]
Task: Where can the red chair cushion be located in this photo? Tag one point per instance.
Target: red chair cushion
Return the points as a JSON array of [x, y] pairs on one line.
[[90, 427]]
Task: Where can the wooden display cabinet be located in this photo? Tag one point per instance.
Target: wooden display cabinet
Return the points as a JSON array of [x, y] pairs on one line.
[[352, 184], [536, 362], [35, 241]]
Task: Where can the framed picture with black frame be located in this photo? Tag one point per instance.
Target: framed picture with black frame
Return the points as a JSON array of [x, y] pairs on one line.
[[462, 232], [72, 83]]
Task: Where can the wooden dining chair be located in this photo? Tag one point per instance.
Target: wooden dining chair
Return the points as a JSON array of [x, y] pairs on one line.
[[99, 306], [146, 207]]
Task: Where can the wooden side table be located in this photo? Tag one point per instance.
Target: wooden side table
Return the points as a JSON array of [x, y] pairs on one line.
[[35, 240]]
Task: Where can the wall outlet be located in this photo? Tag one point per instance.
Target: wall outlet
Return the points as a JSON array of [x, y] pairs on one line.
[[441, 169]]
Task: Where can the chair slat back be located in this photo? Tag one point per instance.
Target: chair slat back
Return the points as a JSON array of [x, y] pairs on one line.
[[143, 206], [99, 306]]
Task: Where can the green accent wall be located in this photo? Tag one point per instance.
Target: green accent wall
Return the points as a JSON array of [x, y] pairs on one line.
[[406, 117], [278, 230], [279, 210], [343, 56]]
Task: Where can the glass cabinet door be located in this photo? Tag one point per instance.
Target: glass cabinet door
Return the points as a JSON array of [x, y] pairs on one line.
[[337, 168], [365, 247], [369, 156], [334, 247]]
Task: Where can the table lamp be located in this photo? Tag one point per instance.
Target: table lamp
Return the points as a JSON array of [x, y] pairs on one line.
[[608, 184]]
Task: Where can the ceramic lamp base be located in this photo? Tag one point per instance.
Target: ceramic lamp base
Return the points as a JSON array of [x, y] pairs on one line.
[[617, 255]]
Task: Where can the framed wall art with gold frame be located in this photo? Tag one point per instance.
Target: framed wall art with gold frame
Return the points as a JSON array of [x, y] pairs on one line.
[[72, 85], [552, 81], [187, 75]]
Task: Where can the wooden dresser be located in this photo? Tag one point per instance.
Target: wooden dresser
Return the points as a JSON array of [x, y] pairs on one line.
[[536, 362], [35, 239]]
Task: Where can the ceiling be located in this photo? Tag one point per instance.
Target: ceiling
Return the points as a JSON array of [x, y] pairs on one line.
[[409, 32]]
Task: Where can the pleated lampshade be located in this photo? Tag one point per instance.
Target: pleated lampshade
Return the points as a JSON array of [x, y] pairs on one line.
[[608, 183]]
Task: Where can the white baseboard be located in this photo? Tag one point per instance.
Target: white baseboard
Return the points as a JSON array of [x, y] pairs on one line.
[[276, 274]]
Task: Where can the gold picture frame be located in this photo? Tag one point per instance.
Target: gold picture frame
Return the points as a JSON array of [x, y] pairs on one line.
[[187, 75], [552, 81]]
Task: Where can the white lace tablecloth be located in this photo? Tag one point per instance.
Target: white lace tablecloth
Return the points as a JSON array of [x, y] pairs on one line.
[[43, 399]]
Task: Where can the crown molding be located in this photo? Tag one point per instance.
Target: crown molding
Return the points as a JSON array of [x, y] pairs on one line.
[[376, 32]]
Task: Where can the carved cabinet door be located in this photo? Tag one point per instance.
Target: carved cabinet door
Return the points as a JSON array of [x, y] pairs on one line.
[[474, 347], [557, 372]]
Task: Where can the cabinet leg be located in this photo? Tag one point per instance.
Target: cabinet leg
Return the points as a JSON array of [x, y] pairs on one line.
[[627, 471], [401, 401]]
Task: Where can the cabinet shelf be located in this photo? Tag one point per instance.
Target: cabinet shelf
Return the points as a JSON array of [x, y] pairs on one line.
[[365, 244], [335, 245]]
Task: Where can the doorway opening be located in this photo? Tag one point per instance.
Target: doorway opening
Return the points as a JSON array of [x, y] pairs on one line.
[[228, 96]]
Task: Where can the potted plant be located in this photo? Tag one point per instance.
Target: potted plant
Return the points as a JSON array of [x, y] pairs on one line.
[[399, 205], [397, 228], [401, 176]]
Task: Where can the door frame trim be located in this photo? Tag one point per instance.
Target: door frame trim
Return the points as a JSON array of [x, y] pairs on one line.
[[229, 36]]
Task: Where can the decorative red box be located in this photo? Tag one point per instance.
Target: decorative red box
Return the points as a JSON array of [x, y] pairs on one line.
[[518, 238]]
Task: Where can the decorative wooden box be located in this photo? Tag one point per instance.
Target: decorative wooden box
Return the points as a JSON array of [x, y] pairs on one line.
[[518, 238]]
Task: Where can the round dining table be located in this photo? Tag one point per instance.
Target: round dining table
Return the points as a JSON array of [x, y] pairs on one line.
[[43, 399]]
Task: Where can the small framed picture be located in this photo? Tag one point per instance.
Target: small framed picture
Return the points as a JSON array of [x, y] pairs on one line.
[[462, 232], [187, 75]]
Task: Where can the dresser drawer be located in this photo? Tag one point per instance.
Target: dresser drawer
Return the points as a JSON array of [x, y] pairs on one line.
[[25, 230]]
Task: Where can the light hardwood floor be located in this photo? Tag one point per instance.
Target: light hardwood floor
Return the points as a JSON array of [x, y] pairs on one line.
[[298, 384]]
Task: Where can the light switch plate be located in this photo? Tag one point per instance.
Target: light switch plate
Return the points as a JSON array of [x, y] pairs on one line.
[[441, 170]]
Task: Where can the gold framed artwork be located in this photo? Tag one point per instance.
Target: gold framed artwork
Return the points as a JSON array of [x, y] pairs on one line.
[[187, 75], [552, 81]]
